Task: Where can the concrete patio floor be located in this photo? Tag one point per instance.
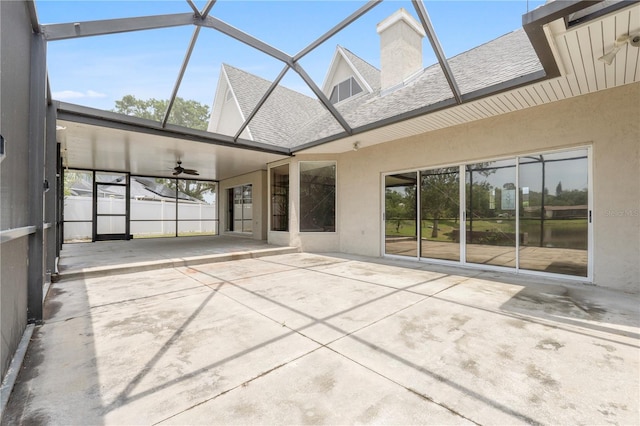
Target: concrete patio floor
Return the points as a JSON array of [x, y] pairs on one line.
[[84, 260], [303, 338]]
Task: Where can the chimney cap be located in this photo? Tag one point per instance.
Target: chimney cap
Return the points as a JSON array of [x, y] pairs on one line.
[[400, 15]]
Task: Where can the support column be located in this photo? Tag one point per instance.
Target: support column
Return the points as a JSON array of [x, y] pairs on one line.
[[51, 196], [59, 201], [37, 117]]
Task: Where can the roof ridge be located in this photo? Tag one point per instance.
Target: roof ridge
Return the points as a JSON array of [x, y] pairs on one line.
[[366, 62], [369, 73], [485, 43], [270, 82]]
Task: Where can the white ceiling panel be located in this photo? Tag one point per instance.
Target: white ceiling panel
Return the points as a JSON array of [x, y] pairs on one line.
[[87, 146]]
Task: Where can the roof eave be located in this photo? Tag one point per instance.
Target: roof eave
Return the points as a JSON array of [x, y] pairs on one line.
[[90, 116], [533, 23]]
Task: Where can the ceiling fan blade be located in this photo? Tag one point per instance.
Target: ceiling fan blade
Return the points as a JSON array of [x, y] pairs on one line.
[[191, 172], [177, 172]]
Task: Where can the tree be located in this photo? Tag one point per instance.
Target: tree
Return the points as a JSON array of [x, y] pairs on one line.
[[192, 188], [394, 207], [440, 193], [400, 204], [186, 113], [69, 179]]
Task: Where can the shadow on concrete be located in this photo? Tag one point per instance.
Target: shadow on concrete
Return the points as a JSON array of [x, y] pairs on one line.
[[75, 375], [77, 256], [351, 335]]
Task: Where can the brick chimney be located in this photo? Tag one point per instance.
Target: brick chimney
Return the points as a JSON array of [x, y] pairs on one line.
[[400, 48]]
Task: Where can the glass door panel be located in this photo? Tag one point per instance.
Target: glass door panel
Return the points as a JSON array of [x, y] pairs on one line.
[[554, 210], [111, 178], [491, 213], [78, 206], [247, 208], [241, 209], [439, 213], [111, 225], [111, 202], [401, 230]]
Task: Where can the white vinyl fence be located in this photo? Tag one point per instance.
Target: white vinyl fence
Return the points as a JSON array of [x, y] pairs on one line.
[[148, 218]]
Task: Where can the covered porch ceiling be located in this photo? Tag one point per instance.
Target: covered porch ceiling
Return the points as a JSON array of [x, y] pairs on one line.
[[568, 36], [100, 140]]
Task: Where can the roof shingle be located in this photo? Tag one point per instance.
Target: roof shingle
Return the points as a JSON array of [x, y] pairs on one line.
[[290, 119]]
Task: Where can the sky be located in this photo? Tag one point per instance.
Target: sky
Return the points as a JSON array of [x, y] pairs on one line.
[[97, 71]]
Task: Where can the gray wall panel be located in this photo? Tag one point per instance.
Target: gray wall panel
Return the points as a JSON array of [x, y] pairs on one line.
[[15, 42], [14, 111], [13, 297]]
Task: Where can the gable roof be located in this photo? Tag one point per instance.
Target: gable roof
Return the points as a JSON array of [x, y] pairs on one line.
[[291, 119], [370, 73], [280, 115], [365, 73], [503, 59]]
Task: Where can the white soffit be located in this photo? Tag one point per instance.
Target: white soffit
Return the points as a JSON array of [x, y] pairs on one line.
[[85, 146], [577, 48]]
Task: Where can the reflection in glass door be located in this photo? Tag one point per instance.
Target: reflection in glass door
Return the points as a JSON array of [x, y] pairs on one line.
[[401, 230], [439, 213], [491, 213], [554, 206]]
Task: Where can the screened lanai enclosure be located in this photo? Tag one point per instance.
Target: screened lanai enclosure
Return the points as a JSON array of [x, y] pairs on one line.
[[101, 206], [312, 106], [499, 136]]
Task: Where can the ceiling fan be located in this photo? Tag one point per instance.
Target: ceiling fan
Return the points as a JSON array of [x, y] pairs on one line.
[[179, 170], [633, 40]]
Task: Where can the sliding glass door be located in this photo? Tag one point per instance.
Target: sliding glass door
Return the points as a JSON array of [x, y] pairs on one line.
[[554, 212], [400, 223], [440, 213], [524, 213], [240, 211], [491, 213]]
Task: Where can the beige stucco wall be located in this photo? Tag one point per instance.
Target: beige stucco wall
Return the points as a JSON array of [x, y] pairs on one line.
[[607, 121], [258, 180]]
